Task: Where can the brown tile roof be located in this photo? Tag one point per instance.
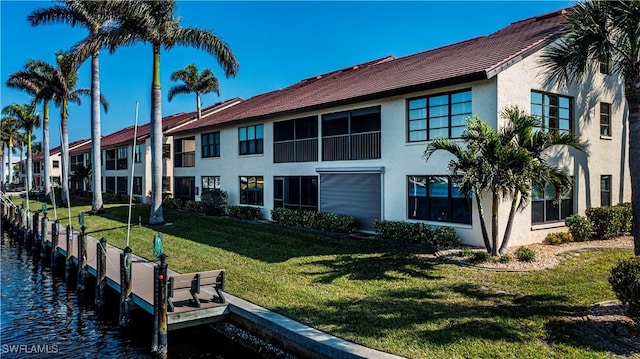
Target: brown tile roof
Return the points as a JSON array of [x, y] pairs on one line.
[[479, 58], [72, 146], [125, 135]]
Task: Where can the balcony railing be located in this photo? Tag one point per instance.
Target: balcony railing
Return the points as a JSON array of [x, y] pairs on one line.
[[360, 146], [296, 151], [186, 159]]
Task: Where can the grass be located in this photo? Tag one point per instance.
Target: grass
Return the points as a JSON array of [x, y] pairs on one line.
[[380, 295]]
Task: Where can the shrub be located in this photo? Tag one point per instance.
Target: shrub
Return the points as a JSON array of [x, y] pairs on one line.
[[193, 206], [417, 233], [172, 203], [525, 254], [466, 252], [214, 203], [580, 227], [609, 222], [627, 216], [625, 280], [445, 237], [245, 212], [404, 231], [558, 238], [480, 257], [505, 259], [316, 220]]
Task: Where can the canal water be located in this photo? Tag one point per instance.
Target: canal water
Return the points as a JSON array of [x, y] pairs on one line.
[[41, 316]]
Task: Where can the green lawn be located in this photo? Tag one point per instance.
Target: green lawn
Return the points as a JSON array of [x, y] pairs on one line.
[[382, 296]]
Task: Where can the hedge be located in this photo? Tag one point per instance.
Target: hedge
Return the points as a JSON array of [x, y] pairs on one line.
[[316, 220], [610, 222], [245, 212], [417, 233]]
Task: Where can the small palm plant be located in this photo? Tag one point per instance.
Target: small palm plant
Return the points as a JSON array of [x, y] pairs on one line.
[[194, 82]]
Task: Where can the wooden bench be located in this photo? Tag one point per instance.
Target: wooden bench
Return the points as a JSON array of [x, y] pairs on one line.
[[193, 282]]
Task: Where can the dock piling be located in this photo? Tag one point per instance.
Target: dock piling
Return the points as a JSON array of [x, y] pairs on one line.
[[69, 258], [55, 233], [82, 259], [125, 286], [34, 233], [159, 342], [101, 271], [43, 234]]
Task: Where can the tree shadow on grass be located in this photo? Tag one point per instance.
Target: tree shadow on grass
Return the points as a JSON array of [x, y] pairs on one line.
[[393, 265], [261, 241], [448, 314]]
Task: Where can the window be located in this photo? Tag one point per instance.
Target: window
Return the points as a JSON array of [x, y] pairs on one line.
[[210, 183], [87, 160], [74, 162], [211, 144], [604, 67], [250, 139], [605, 119], [605, 190], [351, 135], [553, 110], [185, 188], [437, 198], [296, 192], [123, 158], [56, 180], [110, 163], [166, 150], [122, 184], [166, 184], [110, 184], [36, 167], [295, 140], [137, 185], [441, 115], [545, 208], [185, 152], [251, 190], [138, 152], [56, 164]]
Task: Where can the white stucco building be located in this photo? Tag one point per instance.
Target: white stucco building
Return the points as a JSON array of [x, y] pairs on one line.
[[351, 141]]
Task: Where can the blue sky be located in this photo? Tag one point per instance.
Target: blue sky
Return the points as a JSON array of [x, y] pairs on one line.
[[276, 44]]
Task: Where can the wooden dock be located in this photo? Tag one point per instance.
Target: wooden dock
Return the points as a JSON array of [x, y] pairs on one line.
[[175, 300]]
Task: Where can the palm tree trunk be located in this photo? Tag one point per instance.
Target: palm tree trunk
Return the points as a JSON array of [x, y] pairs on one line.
[[632, 94], [29, 164], [494, 223], [65, 155], [156, 216], [199, 105], [45, 149], [96, 142], [9, 151], [22, 165], [483, 225], [507, 231]]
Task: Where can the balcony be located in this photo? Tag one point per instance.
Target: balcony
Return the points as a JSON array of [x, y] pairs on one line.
[[359, 146], [296, 151], [185, 159]]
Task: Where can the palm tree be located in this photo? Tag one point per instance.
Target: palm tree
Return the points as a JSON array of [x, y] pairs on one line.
[[63, 83], [488, 164], [81, 173], [39, 85], [94, 16], [598, 31], [194, 82], [524, 131], [154, 22], [27, 120], [8, 134]]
